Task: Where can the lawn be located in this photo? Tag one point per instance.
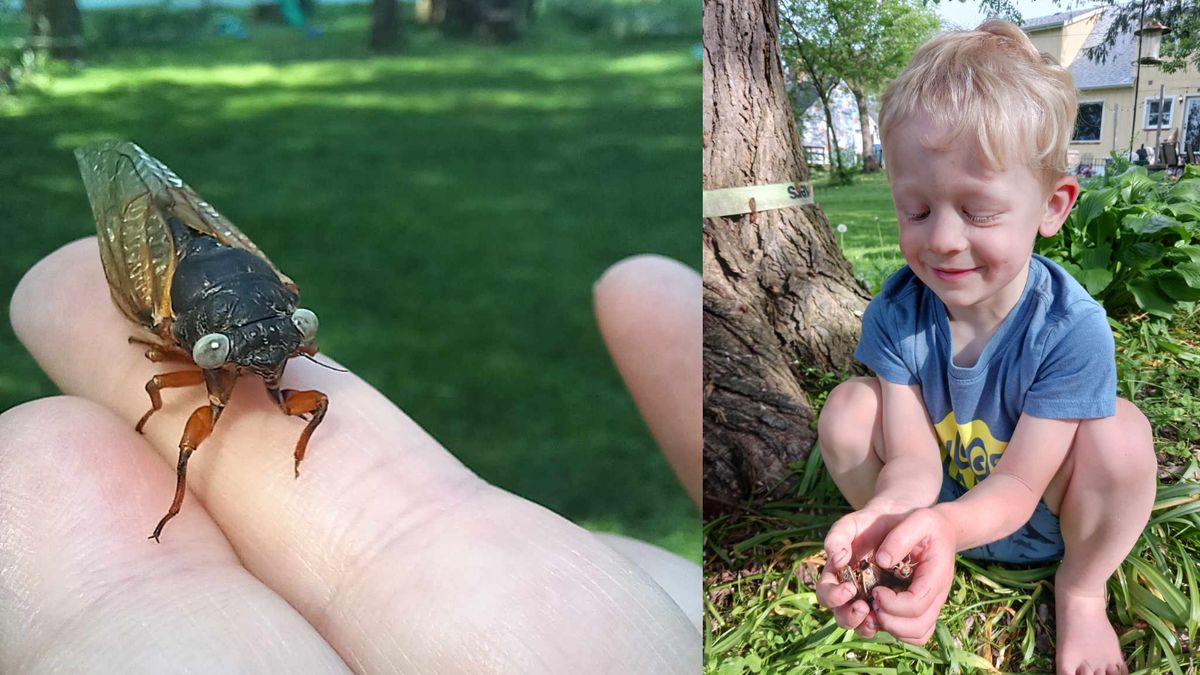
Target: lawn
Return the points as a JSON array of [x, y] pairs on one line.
[[445, 210], [761, 564]]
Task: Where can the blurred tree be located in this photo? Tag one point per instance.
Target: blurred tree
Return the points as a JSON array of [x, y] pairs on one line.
[[780, 299], [55, 27], [487, 19], [386, 35]]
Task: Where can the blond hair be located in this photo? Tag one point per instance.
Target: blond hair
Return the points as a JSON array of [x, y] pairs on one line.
[[992, 85]]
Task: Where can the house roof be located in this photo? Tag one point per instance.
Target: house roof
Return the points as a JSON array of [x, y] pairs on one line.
[[1053, 20], [1116, 69]]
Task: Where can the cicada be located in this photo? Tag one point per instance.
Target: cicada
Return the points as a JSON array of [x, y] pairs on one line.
[[866, 575], [199, 291]]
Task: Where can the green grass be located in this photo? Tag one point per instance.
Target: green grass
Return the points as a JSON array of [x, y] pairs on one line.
[[761, 564], [445, 210]]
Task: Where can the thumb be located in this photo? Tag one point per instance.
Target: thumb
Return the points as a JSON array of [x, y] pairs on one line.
[[839, 543], [900, 542]]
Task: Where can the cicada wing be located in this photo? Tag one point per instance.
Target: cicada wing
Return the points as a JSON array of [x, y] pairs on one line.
[[181, 201], [152, 194], [136, 247]]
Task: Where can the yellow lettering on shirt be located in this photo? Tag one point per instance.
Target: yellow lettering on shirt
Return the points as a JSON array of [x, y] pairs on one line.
[[969, 450]]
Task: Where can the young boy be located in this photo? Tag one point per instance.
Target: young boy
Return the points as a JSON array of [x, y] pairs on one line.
[[993, 427]]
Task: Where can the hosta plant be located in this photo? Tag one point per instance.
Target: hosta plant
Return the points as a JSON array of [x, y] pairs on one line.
[[1133, 240]]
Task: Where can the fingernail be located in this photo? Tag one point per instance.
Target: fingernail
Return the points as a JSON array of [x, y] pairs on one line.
[[883, 559]]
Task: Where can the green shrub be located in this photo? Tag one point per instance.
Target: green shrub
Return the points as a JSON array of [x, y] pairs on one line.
[[628, 19], [150, 25], [1131, 240]]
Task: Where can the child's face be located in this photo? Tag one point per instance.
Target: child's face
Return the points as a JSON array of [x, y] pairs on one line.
[[967, 230]]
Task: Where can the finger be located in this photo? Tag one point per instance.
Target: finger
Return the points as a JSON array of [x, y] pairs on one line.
[[839, 542], [401, 557], [832, 592], [868, 628], [78, 489], [852, 615], [908, 629], [901, 541], [925, 590], [648, 310], [678, 576]]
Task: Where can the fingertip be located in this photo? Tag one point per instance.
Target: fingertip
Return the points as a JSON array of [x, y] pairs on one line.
[[37, 282]]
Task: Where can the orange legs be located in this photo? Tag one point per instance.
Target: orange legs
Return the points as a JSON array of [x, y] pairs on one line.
[[198, 428], [181, 378], [301, 403]]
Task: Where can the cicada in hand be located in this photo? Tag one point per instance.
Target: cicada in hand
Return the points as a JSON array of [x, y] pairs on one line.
[[204, 294], [866, 574]]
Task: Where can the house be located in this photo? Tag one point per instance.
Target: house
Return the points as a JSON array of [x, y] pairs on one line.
[[814, 132], [1115, 98]]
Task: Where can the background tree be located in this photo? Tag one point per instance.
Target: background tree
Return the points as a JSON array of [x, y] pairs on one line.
[[779, 296], [1179, 47], [499, 19], [385, 26], [55, 26], [864, 43]]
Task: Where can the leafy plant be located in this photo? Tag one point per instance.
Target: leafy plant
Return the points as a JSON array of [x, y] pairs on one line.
[[148, 25], [1131, 240]]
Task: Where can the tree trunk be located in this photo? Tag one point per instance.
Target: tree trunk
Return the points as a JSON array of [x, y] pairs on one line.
[[779, 296], [55, 26], [835, 165], [385, 26], [503, 20], [870, 164]]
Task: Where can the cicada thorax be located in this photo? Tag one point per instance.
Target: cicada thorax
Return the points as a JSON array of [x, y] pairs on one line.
[[228, 291]]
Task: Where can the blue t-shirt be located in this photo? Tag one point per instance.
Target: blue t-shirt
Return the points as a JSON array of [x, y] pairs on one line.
[[1051, 357]]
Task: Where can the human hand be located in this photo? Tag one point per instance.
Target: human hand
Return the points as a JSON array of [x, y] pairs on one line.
[[927, 538], [851, 538], [386, 555]]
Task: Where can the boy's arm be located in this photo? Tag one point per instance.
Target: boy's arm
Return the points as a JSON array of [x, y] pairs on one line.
[[1002, 502], [912, 473], [910, 479]]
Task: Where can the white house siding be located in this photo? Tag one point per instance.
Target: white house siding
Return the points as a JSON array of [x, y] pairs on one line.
[[845, 120]]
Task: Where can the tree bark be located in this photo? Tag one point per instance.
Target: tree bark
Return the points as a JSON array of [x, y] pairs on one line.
[[870, 164], [503, 20], [385, 26], [56, 27], [779, 296]]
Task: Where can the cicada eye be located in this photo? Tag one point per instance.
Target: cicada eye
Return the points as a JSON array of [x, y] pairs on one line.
[[306, 322], [211, 351]]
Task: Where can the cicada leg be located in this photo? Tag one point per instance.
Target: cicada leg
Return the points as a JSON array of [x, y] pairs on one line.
[[300, 403], [158, 353], [181, 378], [199, 427]]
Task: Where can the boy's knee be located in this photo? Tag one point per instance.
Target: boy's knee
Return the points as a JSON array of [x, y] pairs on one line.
[[1121, 448], [848, 418]]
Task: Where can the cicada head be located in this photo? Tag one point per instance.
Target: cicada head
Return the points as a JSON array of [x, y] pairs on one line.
[[263, 346]]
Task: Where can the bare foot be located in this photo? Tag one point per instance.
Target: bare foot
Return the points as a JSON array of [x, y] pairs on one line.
[[1087, 643]]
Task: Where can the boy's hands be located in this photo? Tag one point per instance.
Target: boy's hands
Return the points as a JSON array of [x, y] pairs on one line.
[[851, 537], [928, 539], [893, 533]]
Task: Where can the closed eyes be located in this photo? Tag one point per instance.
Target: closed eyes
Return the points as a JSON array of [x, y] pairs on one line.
[[978, 220]]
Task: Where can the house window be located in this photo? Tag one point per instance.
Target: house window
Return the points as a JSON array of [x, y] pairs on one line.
[[1087, 122], [1155, 120]]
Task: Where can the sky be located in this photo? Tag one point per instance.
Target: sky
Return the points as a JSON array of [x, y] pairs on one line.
[[967, 14]]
